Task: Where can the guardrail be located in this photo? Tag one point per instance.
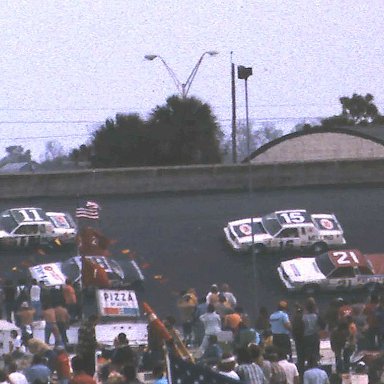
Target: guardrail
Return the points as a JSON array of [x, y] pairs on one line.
[[191, 178]]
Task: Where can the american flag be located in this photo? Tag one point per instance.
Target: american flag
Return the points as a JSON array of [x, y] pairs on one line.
[[185, 372], [90, 211]]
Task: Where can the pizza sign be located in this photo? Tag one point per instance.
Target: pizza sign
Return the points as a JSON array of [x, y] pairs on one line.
[[117, 303]]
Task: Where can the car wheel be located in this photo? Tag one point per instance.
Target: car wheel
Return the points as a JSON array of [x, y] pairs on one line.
[[310, 289], [319, 248], [257, 249]]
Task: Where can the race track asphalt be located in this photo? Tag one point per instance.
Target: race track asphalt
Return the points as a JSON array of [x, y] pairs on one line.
[[178, 241]]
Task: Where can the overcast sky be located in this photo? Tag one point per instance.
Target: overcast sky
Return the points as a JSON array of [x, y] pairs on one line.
[[76, 62]]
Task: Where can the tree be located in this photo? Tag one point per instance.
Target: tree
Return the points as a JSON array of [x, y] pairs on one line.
[[123, 142], [357, 110], [186, 132], [258, 137], [16, 154], [53, 150]]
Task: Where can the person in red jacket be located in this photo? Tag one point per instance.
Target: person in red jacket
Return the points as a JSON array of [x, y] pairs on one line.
[[63, 366], [79, 375]]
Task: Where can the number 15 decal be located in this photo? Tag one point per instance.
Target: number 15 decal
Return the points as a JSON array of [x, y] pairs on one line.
[[345, 258], [293, 217]]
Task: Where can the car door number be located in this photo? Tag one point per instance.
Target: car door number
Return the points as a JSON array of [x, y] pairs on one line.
[[286, 244]]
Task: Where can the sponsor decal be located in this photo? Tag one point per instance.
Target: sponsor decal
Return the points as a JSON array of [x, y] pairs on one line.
[[326, 223], [245, 229]]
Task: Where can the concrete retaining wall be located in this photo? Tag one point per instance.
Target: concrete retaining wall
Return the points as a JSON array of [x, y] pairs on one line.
[[191, 178]]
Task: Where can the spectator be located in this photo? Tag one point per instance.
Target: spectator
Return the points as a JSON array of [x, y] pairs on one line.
[[63, 366], [371, 333], [213, 295], [231, 299], [130, 374], [245, 335], [312, 327], [63, 321], [298, 337], [212, 325], [51, 327], [123, 353], [186, 305], [198, 327], [227, 366], [232, 320], [158, 375], [34, 293], [315, 375], [213, 353], [4, 379], [281, 327], [290, 369], [338, 339], [25, 315], [222, 307], [70, 299], [16, 346], [9, 292], [38, 371], [248, 371], [262, 320], [14, 375], [87, 344], [379, 314], [80, 375]]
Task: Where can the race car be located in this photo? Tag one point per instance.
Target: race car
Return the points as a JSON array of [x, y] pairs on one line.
[[332, 271], [98, 271], [31, 226], [285, 230]]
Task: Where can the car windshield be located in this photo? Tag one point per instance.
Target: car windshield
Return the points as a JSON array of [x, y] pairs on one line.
[[271, 224], [324, 264], [7, 223]]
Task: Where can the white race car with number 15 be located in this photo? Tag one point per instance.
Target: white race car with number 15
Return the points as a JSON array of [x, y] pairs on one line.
[[282, 230]]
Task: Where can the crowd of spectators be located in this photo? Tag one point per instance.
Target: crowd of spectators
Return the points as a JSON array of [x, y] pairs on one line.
[[282, 346]]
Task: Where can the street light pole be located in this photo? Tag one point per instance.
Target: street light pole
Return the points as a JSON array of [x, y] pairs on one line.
[[243, 73], [182, 88]]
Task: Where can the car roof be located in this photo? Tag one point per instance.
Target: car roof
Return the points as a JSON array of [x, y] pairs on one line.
[[29, 215], [347, 258]]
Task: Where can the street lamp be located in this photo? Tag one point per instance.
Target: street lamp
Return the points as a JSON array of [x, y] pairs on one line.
[[183, 88]]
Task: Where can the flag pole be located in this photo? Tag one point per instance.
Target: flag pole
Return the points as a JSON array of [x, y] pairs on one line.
[[167, 363]]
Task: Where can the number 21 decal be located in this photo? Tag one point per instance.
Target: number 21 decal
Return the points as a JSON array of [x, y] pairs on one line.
[[346, 257]]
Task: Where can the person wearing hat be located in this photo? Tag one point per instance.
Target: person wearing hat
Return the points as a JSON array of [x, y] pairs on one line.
[[26, 315], [227, 366], [281, 328]]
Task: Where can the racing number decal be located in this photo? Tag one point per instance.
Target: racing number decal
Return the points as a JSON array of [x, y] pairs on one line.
[[293, 217], [30, 215], [286, 244], [346, 257]]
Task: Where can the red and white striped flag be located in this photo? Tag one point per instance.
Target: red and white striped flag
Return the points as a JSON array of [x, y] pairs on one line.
[[90, 211]]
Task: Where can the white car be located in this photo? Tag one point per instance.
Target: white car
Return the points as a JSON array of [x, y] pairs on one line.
[[282, 230], [333, 271], [32, 226], [119, 273]]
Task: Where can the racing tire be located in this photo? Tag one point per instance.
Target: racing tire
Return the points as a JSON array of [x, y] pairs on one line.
[[319, 248], [310, 289], [257, 249]]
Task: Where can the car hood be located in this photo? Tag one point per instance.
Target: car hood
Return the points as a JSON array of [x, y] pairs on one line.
[[245, 227], [302, 270]]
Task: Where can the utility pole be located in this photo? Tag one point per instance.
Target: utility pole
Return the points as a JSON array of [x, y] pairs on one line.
[[234, 129]]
